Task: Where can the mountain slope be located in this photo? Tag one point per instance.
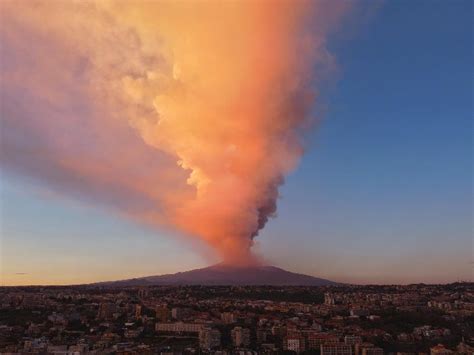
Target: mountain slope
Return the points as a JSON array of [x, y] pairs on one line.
[[227, 275]]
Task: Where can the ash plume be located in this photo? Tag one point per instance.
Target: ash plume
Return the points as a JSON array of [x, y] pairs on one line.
[[179, 114]]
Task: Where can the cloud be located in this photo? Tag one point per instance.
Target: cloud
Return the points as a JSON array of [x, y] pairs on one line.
[[183, 114]]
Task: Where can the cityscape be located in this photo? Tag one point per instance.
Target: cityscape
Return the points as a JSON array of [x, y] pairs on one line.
[[334, 320], [236, 177]]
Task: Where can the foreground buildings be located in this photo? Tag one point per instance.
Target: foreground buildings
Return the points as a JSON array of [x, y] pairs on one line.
[[335, 320]]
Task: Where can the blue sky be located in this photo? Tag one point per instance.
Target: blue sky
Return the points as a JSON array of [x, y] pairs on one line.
[[383, 193]]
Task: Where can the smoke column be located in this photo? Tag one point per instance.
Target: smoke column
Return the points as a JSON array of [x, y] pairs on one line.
[[181, 114]]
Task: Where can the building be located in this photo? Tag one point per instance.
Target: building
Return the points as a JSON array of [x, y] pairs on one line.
[[209, 338], [176, 313], [336, 349], [463, 348], [138, 311], [372, 351], [294, 343], [57, 349], [352, 339], [329, 299], [240, 337], [263, 335], [315, 340], [359, 312], [106, 311], [162, 314], [143, 293], [440, 349], [366, 348], [227, 317], [179, 313], [57, 319], [179, 327]]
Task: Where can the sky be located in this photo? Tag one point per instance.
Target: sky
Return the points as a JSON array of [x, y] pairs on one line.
[[382, 195]]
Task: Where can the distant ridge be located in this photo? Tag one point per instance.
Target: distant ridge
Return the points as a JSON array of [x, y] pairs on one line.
[[221, 274]]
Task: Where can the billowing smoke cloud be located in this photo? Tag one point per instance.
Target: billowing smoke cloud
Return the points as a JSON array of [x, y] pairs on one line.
[[186, 114]]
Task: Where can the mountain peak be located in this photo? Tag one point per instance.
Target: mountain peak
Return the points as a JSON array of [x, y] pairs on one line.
[[228, 274]]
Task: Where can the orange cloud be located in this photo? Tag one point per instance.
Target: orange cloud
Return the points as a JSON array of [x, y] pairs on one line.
[[186, 114]]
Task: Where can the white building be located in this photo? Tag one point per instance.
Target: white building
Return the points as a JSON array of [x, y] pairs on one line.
[[295, 344], [179, 327]]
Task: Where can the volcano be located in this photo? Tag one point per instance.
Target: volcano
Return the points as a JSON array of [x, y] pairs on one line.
[[221, 274]]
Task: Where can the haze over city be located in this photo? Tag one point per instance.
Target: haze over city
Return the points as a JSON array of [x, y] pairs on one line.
[[332, 139]]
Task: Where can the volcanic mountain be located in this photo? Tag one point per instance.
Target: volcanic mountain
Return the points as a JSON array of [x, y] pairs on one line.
[[221, 274]]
